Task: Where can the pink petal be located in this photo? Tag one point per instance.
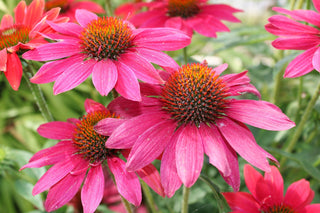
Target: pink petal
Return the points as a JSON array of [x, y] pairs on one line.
[[3, 60], [149, 145], [220, 11], [14, 70], [241, 202], [154, 18], [316, 4], [73, 76], [19, 12], [34, 12], [163, 39], [219, 69], [88, 5], [70, 29], [141, 68], [57, 130], [127, 133], [309, 16], [168, 170], [63, 191], [311, 208], [127, 182], [84, 17], [92, 190], [52, 51], [275, 181], [189, 152], [127, 84], [301, 65], [316, 60], [108, 125], [301, 42], [260, 114], [6, 21], [93, 106], [207, 25], [299, 194], [104, 76], [151, 176], [242, 141]]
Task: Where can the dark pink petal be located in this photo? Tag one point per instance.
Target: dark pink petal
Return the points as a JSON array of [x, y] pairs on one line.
[[311, 208], [316, 60], [189, 155], [242, 141], [19, 12], [301, 65], [92, 106], [6, 21], [104, 76], [174, 22], [52, 51], [127, 182], [299, 194], [168, 170], [125, 108], [50, 71], [62, 192], [84, 17], [57, 130], [108, 125], [309, 16], [260, 114], [127, 133], [34, 12], [221, 11], [242, 202], [158, 58], [301, 42], [73, 76], [14, 70], [127, 84], [163, 39], [316, 4], [92, 190], [141, 68], [3, 59], [153, 18], [150, 144], [70, 29], [151, 176], [88, 5], [207, 25], [275, 182]]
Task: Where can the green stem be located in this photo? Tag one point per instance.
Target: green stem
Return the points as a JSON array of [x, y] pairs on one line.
[[299, 100], [300, 4], [38, 95], [148, 196], [277, 86], [185, 197], [295, 137], [185, 55], [109, 8], [292, 3]]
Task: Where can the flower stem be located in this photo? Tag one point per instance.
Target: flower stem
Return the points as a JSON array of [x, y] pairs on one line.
[[38, 95], [148, 196], [185, 55], [185, 197], [294, 139], [277, 86], [126, 204], [299, 100], [109, 8]]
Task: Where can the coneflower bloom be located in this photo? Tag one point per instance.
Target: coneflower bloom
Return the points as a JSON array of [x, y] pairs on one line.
[[294, 35], [187, 15], [192, 114], [267, 194], [21, 34], [80, 157], [69, 7], [111, 49]]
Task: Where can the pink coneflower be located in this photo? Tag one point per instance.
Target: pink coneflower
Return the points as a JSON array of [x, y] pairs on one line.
[[267, 194], [129, 9], [294, 35], [69, 7], [187, 15], [22, 34], [192, 114], [111, 49], [80, 157]]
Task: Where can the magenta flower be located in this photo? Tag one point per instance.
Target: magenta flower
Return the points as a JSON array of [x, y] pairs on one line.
[[22, 34], [111, 49], [69, 7], [267, 194], [80, 157], [294, 35], [187, 15], [129, 9], [192, 114]]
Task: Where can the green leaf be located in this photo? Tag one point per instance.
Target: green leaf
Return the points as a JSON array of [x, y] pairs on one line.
[[24, 189]]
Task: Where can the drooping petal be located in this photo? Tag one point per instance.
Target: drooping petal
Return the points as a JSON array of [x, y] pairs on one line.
[[127, 84], [221, 11], [242, 141], [299, 194], [57, 130], [14, 70], [104, 76], [149, 145], [127, 182], [316, 60], [6, 21], [207, 25], [189, 155], [275, 182], [108, 125], [309, 16], [92, 190], [311, 208], [92, 106], [260, 114], [84, 17], [299, 42], [242, 202], [3, 59], [70, 29]]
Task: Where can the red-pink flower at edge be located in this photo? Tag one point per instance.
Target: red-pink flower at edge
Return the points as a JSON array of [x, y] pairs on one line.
[[79, 158], [129, 9], [69, 7], [193, 114], [111, 49], [22, 33], [267, 194], [294, 35], [187, 15]]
